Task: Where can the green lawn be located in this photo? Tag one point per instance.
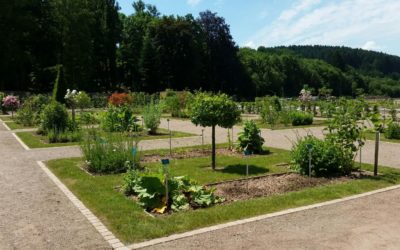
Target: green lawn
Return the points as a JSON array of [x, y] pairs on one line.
[[127, 220], [13, 125], [261, 124], [33, 140], [5, 118], [371, 136], [228, 167]]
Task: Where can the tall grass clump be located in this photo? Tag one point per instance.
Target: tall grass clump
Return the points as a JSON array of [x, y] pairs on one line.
[[111, 153]]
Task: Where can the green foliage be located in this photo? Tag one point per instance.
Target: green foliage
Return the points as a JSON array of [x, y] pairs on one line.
[[111, 153], [54, 117], [118, 119], [150, 191], [3, 109], [212, 110], [152, 117], [88, 118], [83, 100], [250, 138], [301, 118], [60, 85], [55, 136], [29, 112], [327, 158], [178, 103], [393, 131]]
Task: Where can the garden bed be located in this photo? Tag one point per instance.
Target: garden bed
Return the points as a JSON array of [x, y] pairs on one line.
[[127, 220], [272, 184], [316, 123]]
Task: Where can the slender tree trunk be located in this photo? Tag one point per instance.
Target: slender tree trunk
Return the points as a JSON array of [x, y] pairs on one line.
[[213, 148]]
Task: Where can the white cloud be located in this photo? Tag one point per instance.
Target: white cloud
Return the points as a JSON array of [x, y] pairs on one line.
[[193, 3], [343, 22], [297, 9], [370, 45], [250, 44]]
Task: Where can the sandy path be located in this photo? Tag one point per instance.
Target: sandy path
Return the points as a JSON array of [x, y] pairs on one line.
[[34, 213], [372, 222]]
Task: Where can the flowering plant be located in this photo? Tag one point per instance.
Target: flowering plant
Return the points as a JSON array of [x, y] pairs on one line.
[[118, 99], [11, 102]]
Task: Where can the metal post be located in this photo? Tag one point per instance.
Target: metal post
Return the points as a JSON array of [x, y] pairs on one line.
[[170, 139], [309, 163], [232, 134], [360, 157], [202, 139], [377, 138]]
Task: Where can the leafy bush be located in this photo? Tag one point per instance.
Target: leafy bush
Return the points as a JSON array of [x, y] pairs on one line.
[[120, 99], [109, 154], [152, 118], [54, 117], [393, 131], [83, 100], [3, 109], [118, 119], [88, 118], [183, 193], [99, 100], [327, 158], [178, 103], [29, 113], [301, 118], [250, 138]]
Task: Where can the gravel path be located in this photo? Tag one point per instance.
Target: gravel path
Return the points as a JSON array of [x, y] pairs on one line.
[[372, 222], [34, 213]]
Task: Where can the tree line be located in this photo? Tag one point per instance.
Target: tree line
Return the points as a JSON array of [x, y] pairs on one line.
[[98, 48]]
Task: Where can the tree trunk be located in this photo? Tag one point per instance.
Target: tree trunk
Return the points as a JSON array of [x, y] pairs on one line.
[[213, 148]]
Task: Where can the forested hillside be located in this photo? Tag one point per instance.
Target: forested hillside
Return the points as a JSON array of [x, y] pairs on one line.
[[98, 48]]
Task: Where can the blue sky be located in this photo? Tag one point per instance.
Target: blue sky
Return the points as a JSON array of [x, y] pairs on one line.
[[368, 24]]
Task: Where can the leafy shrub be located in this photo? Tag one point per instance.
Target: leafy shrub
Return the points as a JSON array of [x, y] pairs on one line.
[[119, 99], [250, 138], [327, 158], [183, 193], [29, 113], [177, 103], [99, 100], [301, 118], [88, 118], [3, 109], [393, 131], [152, 118], [54, 117], [83, 100], [109, 154], [118, 119]]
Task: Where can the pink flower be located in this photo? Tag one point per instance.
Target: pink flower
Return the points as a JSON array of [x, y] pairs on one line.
[[11, 102]]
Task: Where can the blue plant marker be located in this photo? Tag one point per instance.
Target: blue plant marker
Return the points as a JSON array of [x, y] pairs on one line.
[[247, 152], [165, 161], [134, 151]]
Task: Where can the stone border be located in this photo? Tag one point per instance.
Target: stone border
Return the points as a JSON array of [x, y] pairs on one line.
[[98, 225], [254, 219], [21, 142], [6, 126]]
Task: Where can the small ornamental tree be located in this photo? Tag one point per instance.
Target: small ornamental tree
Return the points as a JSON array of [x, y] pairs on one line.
[[11, 103], [210, 110]]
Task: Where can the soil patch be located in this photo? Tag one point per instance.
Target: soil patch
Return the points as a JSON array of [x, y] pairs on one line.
[[272, 185]]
